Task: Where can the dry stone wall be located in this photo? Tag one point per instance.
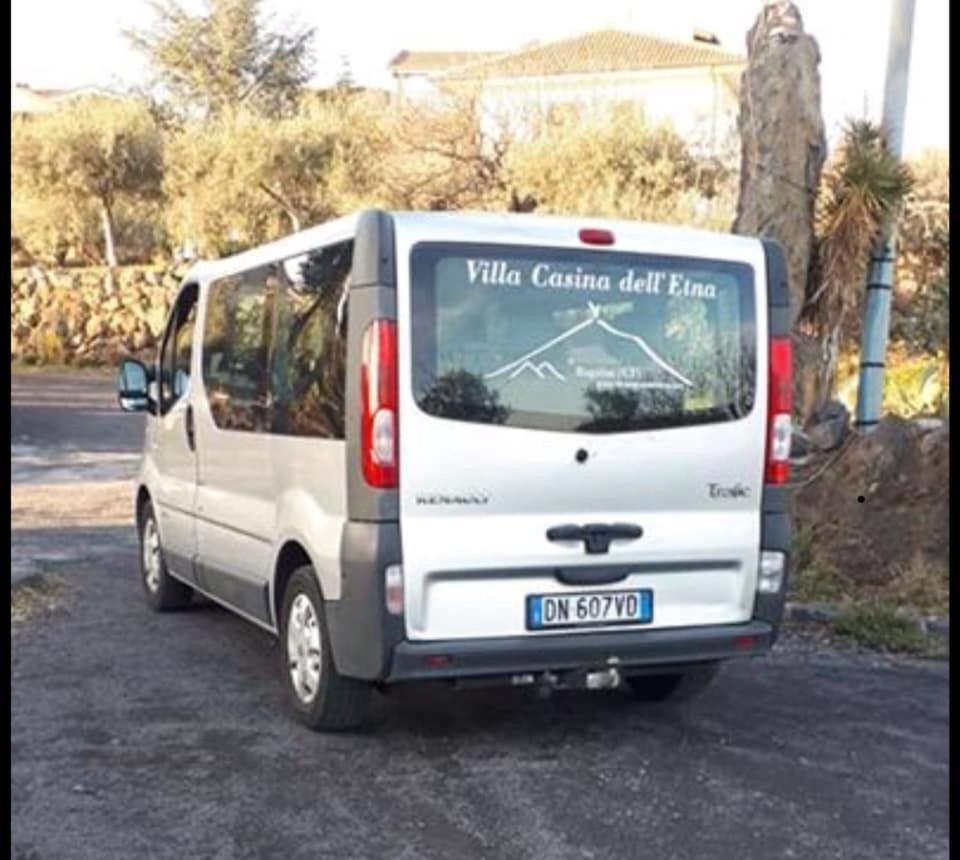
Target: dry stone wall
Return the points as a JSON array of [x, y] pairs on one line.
[[87, 317]]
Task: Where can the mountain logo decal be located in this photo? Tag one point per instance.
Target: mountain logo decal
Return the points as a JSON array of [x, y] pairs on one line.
[[543, 369]]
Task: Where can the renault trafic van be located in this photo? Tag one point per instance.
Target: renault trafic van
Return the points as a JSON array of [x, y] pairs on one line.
[[475, 447]]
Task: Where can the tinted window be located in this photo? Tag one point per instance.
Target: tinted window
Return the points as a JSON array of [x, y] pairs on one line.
[[588, 341], [236, 345], [309, 358], [177, 349]]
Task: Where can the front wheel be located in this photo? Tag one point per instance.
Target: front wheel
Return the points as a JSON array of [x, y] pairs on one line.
[[163, 592], [675, 687], [322, 699]]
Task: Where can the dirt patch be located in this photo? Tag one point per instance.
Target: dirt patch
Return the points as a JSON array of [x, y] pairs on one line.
[[34, 596], [876, 520], [38, 506]]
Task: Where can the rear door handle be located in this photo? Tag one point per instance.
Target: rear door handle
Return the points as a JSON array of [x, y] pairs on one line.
[[596, 537], [188, 425]]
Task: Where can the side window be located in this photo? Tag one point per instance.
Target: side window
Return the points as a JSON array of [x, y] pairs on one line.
[[236, 348], [309, 361], [177, 349]]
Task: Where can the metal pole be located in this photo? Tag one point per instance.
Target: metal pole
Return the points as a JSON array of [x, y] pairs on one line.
[[876, 317]]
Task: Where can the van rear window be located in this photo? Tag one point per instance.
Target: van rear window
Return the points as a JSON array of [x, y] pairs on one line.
[[580, 340]]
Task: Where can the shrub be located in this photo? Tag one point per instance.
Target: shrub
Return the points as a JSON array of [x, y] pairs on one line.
[[878, 625]]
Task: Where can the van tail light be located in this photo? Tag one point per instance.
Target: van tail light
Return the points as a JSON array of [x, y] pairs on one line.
[[378, 396], [779, 411]]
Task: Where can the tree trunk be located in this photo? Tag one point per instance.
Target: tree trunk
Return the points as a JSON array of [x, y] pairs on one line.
[[782, 151], [287, 208], [110, 251]]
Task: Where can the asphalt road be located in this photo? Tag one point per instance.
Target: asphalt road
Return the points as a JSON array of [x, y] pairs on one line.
[[143, 735]]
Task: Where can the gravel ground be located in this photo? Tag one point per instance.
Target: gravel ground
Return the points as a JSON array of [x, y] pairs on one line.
[[136, 734]]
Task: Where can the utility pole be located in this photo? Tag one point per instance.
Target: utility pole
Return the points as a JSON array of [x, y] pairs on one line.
[[876, 317]]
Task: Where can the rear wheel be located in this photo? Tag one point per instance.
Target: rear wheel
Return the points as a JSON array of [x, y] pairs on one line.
[[674, 687], [163, 592], [322, 699]]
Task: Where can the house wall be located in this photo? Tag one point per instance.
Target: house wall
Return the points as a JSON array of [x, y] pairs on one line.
[[416, 87], [701, 103]]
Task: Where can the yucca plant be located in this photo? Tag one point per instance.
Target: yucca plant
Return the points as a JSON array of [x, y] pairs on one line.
[[861, 188]]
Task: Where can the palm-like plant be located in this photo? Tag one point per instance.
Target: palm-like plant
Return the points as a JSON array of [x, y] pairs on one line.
[[861, 189]]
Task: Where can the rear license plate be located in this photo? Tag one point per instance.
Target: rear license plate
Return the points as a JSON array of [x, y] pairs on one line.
[[589, 608]]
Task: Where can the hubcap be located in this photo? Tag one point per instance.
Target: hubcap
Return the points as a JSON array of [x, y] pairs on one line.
[[151, 556], [303, 648]]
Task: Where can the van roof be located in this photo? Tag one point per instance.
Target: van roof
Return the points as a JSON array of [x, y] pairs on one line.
[[489, 227]]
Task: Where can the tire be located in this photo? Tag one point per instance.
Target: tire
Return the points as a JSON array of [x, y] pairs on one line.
[[321, 698], [164, 593], [674, 687]]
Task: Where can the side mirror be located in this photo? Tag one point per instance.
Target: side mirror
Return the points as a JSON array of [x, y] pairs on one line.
[[133, 387]]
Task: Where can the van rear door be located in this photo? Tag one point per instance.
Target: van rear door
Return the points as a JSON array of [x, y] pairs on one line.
[[582, 433]]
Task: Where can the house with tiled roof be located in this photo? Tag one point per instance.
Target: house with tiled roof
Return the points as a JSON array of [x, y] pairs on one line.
[[693, 84], [413, 70]]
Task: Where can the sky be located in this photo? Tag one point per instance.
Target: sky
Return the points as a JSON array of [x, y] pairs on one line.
[[86, 46]]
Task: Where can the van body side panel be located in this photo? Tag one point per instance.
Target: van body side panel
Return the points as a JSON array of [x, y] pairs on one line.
[[362, 633], [235, 511], [311, 502], [235, 500]]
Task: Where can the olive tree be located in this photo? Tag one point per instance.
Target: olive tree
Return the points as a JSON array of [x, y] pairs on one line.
[[95, 154]]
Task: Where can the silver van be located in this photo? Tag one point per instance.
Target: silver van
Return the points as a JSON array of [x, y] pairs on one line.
[[484, 447]]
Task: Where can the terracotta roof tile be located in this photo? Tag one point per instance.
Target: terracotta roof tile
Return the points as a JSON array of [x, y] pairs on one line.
[[602, 51]]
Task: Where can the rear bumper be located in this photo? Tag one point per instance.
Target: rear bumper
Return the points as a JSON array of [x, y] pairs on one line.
[[369, 644], [559, 652]]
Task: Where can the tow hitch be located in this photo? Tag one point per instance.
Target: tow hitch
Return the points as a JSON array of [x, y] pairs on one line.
[[599, 679]]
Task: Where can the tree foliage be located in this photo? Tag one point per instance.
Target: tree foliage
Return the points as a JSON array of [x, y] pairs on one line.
[[224, 58], [87, 160], [922, 298], [444, 157], [861, 188], [616, 163], [245, 179]]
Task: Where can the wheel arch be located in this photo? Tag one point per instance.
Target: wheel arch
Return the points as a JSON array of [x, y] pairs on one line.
[[142, 497], [291, 556]]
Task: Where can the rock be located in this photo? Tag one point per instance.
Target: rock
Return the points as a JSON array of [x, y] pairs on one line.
[[820, 613], [935, 626], [94, 327], [929, 424], [126, 323], [830, 426], [156, 319], [801, 445]]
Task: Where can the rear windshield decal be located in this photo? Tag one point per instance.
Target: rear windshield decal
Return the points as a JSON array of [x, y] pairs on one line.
[[545, 368]]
